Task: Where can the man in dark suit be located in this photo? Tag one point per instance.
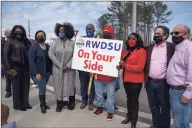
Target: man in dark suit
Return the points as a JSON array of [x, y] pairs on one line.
[[2, 62], [7, 76], [158, 57]]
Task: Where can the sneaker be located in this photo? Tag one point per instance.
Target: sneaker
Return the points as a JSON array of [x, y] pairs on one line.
[[109, 116], [98, 111]]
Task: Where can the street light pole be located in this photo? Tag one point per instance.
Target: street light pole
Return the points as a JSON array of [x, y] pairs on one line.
[[134, 16]]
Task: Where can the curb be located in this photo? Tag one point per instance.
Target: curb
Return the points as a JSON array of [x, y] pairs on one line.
[[142, 116]]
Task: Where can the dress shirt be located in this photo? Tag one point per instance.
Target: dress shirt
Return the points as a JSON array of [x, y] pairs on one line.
[[179, 71], [158, 63]]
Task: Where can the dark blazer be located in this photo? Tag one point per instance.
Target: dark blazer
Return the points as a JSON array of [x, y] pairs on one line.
[[170, 52], [37, 60], [15, 53]]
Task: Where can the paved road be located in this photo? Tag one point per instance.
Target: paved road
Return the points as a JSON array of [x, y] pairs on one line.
[[120, 96], [77, 118]]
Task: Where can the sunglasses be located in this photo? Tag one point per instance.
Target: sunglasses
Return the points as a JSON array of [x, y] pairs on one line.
[[176, 33]]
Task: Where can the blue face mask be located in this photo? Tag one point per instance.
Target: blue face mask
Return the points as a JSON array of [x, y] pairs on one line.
[[61, 35], [90, 33]]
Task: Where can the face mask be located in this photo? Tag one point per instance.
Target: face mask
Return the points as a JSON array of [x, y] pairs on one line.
[[40, 39], [18, 35], [177, 39], [61, 35], [107, 37], [132, 43], [157, 39], [90, 33]]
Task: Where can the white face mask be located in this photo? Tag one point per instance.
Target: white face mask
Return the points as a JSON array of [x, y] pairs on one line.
[[5, 38]]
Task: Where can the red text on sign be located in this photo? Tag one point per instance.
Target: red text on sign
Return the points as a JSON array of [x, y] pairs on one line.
[[106, 58], [83, 54], [88, 64], [93, 66]]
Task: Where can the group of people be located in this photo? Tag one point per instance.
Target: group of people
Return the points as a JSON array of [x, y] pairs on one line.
[[165, 68]]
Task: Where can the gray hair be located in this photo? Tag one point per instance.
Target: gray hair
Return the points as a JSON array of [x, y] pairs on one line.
[[7, 31], [188, 31]]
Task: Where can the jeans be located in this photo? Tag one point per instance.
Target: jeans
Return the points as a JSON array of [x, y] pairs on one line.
[[132, 90], [116, 88], [84, 78], [158, 98], [110, 89], [42, 83], [182, 113]]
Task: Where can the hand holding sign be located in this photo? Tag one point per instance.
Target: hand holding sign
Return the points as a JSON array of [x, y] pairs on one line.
[[122, 63]]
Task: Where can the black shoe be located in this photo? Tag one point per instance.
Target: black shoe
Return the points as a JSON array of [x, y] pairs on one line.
[[8, 95], [43, 107], [59, 106], [23, 109], [133, 125], [28, 107], [71, 105], [47, 107], [127, 120], [65, 104], [43, 104]]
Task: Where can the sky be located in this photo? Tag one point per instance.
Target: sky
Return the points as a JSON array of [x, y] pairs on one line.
[[44, 15]]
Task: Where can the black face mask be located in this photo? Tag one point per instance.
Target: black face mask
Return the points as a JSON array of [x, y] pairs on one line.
[[107, 36], [18, 35], [157, 39], [177, 39], [40, 39]]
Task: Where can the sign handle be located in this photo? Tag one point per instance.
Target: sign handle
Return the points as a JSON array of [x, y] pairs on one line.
[[90, 84]]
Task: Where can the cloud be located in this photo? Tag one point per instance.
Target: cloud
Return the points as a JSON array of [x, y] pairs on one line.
[[44, 15]]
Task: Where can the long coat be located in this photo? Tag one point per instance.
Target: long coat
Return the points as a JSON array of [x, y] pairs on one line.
[[64, 82]]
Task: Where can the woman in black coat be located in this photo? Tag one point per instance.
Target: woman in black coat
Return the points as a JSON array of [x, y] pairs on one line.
[[17, 65], [40, 66]]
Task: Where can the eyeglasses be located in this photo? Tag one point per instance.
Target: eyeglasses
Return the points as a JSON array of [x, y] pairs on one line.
[[176, 33]]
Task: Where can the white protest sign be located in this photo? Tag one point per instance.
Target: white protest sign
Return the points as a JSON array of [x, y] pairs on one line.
[[100, 56]]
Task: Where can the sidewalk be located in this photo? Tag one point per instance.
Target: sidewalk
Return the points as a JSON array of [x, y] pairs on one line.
[[76, 118]]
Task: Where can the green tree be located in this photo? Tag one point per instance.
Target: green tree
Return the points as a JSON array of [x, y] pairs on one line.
[[161, 13]]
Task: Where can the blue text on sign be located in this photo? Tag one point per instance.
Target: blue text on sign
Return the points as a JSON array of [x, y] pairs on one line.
[[103, 45]]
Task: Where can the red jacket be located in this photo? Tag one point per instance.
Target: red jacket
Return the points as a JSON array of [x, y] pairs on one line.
[[110, 30], [134, 66]]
